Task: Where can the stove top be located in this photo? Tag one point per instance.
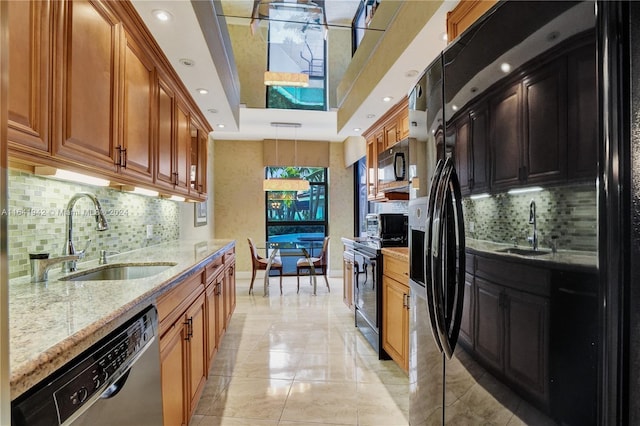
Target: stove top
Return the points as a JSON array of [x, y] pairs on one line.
[[377, 244]]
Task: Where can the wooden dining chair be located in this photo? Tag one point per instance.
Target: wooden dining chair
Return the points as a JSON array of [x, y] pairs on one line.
[[259, 263], [319, 264]]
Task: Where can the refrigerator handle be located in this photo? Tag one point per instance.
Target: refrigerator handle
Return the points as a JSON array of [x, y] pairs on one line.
[[428, 255], [448, 300]]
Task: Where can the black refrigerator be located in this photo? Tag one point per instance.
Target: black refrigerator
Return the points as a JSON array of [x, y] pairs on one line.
[[520, 309]]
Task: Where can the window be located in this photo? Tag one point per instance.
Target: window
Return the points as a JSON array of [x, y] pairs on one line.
[[299, 216], [297, 45]]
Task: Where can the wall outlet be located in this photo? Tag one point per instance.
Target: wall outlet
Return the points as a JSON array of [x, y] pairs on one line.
[[149, 232], [472, 227]]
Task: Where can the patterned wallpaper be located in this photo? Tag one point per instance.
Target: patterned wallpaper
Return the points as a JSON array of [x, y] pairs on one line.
[[37, 219], [568, 212]]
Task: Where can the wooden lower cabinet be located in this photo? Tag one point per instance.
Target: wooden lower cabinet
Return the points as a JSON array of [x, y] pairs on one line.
[[347, 283], [512, 327], [192, 321], [173, 358], [395, 321], [395, 309]]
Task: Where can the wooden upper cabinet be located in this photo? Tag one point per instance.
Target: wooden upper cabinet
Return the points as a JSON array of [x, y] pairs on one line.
[[479, 120], [464, 15], [504, 110], [391, 134], [583, 113], [183, 148], [464, 165], [138, 108], [86, 82], [545, 129], [198, 173], [404, 123], [29, 69], [166, 135]]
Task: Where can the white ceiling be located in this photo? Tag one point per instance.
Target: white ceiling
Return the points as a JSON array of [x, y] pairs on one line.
[[181, 37]]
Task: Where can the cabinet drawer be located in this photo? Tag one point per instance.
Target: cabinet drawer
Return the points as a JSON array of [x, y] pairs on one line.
[[172, 304], [213, 269], [396, 269], [515, 275], [229, 258]]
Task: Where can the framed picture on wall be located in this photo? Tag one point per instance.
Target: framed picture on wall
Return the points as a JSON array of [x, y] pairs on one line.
[[200, 214]]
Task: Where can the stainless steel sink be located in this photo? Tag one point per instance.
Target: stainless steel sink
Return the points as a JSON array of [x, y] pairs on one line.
[[120, 271], [523, 251]]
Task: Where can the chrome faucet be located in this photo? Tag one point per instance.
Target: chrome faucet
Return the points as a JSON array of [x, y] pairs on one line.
[[101, 225], [40, 265], [533, 240]]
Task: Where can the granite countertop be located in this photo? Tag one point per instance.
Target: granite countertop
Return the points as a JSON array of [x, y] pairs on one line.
[[563, 259], [52, 322], [401, 253]]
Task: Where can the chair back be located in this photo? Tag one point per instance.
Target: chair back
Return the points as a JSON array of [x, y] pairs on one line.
[[323, 254], [254, 252]]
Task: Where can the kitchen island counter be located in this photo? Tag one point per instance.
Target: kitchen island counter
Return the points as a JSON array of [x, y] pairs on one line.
[[52, 322]]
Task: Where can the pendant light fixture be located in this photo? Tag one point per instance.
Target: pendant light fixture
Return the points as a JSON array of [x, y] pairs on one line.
[[286, 184]]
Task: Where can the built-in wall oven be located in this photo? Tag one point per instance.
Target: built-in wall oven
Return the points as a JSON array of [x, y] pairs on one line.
[[114, 382]]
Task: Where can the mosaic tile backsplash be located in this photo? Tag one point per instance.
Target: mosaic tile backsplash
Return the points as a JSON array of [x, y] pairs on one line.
[[568, 212], [37, 216]]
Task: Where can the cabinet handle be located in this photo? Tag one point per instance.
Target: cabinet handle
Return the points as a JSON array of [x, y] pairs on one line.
[[118, 159], [189, 325], [175, 178], [406, 304], [123, 154]]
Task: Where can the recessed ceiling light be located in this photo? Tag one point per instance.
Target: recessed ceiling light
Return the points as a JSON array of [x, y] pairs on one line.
[[202, 91], [162, 15], [357, 129], [187, 62], [371, 116], [444, 36], [220, 126], [454, 107], [505, 67], [387, 99], [212, 110], [411, 73], [474, 89]]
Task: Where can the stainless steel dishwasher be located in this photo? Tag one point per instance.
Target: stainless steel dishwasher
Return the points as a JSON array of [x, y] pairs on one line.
[[115, 382]]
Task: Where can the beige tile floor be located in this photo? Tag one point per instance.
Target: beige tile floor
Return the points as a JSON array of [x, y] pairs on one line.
[[297, 359]]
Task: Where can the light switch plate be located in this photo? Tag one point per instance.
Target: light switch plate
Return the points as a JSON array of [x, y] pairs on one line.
[[149, 232]]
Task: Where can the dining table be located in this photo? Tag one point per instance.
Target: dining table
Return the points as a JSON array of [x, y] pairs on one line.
[[301, 248]]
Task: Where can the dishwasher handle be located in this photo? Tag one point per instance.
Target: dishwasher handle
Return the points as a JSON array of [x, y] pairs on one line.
[[116, 387]]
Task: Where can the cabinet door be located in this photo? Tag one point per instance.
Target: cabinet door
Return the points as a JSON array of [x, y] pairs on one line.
[[212, 343], [229, 285], [165, 156], [372, 168], [526, 342], [489, 332], [220, 313], [505, 138], [137, 109], [347, 280], [404, 124], [544, 127], [583, 113], [195, 317], [395, 320], [391, 135], [87, 79], [479, 119], [198, 172], [183, 148], [464, 167], [466, 325], [29, 68], [173, 359]]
